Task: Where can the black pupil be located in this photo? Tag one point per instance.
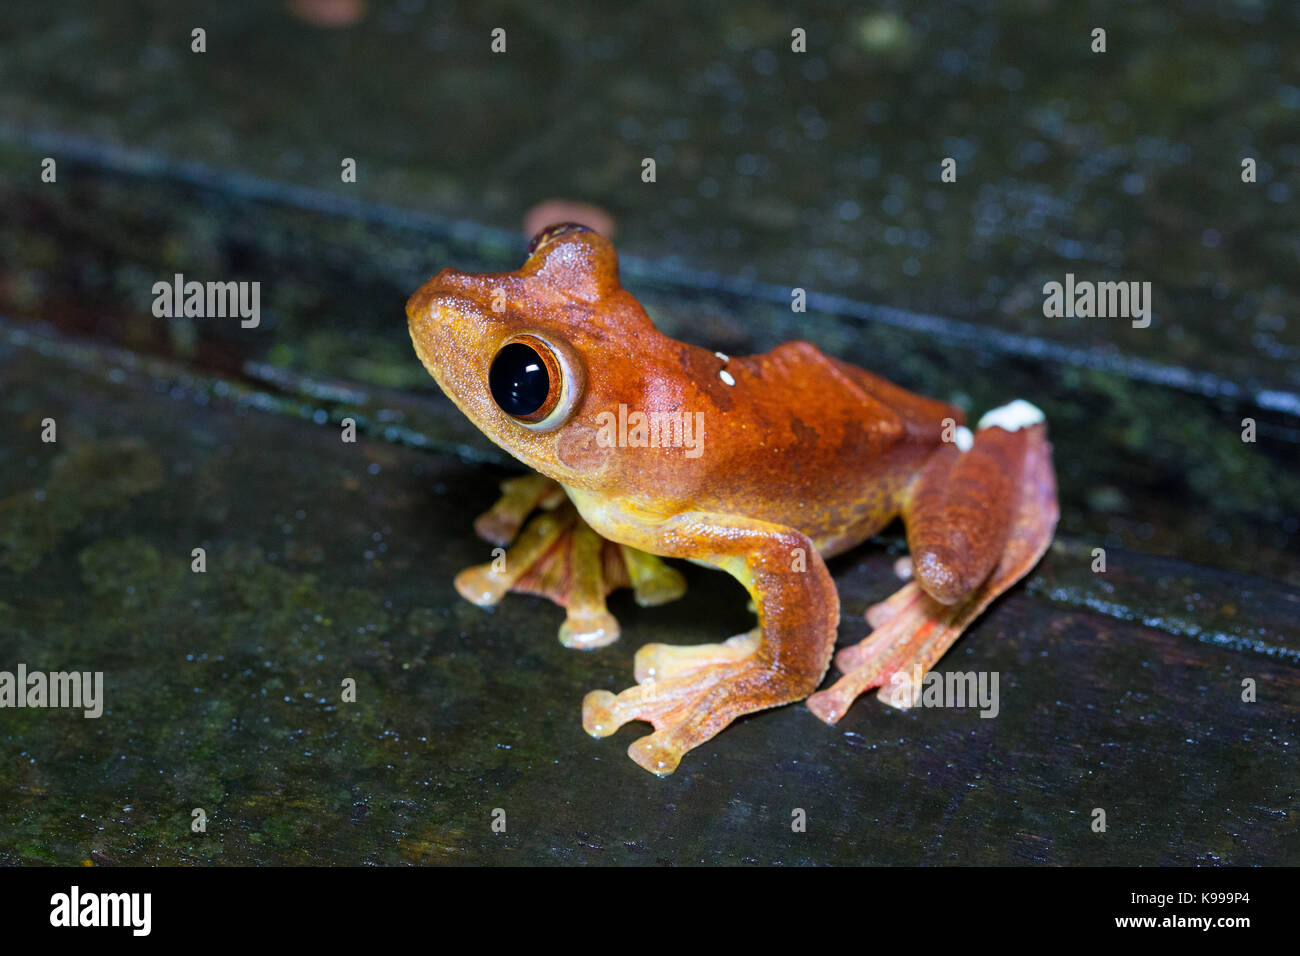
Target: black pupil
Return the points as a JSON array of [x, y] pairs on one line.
[[518, 380]]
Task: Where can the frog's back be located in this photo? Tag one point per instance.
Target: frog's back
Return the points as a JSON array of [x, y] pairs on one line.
[[818, 444], [863, 389], [810, 403]]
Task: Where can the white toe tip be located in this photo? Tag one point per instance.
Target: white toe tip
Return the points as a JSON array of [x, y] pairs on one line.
[[1014, 415]]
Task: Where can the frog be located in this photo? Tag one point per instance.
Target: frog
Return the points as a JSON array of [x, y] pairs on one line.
[[643, 448]]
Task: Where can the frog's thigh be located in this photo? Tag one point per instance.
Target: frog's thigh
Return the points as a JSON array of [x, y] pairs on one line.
[[798, 613], [959, 511]]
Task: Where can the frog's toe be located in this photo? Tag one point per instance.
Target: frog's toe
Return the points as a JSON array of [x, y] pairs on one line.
[[914, 627], [588, 629], [663, 703], [496, 528], [662, 661], [656, 753], [482, 585], [878, 614], [653, 581], [520, 496], [556, 556], [526, 560], [598, 713]]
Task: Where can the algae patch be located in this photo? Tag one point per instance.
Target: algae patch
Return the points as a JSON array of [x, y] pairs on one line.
[[90, 477]]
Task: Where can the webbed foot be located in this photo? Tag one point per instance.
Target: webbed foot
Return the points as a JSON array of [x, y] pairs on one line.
[[558, 556], [686, 710]]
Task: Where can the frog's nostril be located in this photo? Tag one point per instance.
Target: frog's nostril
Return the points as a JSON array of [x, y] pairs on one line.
[[426, 304]]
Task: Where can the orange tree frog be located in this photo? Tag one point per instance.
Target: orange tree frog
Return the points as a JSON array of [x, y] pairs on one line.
[[760, 466]]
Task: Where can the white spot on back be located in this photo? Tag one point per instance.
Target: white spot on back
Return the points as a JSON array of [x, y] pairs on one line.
[[963, 438], [723, 355], [726, 377], [1014, 415]]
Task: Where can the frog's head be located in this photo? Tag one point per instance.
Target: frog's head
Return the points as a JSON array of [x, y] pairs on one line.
[[532, 356]]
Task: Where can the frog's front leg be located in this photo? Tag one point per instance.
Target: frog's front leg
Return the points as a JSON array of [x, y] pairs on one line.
[[558, 556], [798, 611], [976, 524]]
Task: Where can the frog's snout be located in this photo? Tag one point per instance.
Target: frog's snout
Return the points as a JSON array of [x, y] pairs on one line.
[[420, 304], [431, 310], [415, 305]]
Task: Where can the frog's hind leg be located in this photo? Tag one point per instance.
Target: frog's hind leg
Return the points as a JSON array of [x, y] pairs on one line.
[[558, 556], [977, 523]]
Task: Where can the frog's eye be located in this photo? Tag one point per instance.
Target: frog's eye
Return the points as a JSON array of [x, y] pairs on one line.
[[551, 233], [532, 383]]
